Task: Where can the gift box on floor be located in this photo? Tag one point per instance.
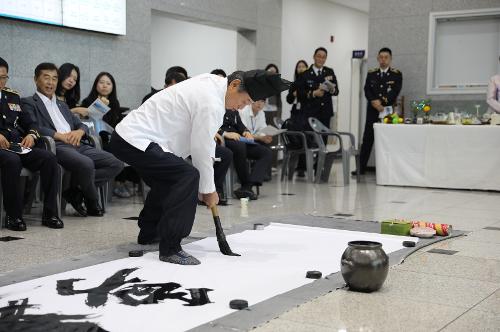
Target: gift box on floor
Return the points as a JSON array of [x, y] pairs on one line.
[[395, 227]]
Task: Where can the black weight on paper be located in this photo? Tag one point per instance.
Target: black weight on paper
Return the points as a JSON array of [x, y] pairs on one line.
[[238, 304], [313, 275]]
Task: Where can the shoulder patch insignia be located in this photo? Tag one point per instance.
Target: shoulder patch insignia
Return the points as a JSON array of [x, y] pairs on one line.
[[6, 89]]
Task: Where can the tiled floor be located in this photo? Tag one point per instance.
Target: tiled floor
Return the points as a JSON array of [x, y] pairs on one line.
[[429, 292]]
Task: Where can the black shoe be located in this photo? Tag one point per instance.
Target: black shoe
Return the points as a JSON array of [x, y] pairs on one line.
[[15, 224], [353, 173], [245, 193], [93, 208], [75, 198], [52, 222], [145, 239], [222, 199]]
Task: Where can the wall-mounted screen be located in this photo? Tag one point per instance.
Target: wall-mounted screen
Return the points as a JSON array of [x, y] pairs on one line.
[[103, 16], [463, 52]]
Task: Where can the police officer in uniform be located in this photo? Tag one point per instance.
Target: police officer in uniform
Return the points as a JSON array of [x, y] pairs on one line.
[[382, 88], [17, 131], [315, 88]]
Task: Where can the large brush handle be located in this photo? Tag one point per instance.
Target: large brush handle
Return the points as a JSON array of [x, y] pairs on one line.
[[221, 237]]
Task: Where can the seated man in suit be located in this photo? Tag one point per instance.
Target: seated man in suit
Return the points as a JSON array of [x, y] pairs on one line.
[[17, 129], [87, 164], [232, 130]]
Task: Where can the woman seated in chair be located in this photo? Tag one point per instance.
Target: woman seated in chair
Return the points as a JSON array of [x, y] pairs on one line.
[[104, 88], [68, 89]]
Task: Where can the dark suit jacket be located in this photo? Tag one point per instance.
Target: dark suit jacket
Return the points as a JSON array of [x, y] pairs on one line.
[[307, 82], [36, 108]]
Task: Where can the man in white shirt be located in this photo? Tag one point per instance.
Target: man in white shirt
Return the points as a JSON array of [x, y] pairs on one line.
[[173, 124], [254, 119]]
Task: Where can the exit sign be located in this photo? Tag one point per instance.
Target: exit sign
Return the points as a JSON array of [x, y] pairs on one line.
[[358, 54]]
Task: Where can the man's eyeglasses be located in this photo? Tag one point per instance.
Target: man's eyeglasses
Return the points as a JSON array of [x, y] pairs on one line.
[[4, 78]]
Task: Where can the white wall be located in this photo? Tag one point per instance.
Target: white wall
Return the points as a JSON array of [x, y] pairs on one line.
[[308, 24], [198, 48]]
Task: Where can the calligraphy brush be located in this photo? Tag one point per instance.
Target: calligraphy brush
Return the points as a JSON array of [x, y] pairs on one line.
[[221, 237]]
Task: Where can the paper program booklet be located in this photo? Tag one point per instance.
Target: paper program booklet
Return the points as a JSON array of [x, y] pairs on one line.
[[97, 109], [269, 131]]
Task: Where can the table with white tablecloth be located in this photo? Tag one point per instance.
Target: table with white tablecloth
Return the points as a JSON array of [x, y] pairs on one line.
[[438, 156]]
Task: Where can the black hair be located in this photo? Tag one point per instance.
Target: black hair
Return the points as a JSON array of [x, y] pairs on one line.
[[272, 65], [176, 69], [237, 75], [174, 76], [386, 50], [72, 96], [4, 63], [219, 72], [296, 74], [320, 49], [45, 66], [113, 116]]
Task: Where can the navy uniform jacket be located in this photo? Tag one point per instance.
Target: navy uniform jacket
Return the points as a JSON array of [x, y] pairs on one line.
[[385, 87], [232, 123], [308, 81], [14, 123]]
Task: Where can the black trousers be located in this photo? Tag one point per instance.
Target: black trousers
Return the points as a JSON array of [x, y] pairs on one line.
[[37, 160], [368, 137], [241, 153], [170, 207], [221, 167]]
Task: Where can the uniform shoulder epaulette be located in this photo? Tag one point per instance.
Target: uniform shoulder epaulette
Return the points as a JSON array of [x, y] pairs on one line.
[[395, 70], [373, 70], [10, 90]]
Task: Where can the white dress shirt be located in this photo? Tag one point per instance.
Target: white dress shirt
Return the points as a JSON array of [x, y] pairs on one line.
[[183, 120], [493, 95], [316, 69], [254, 123], [62, 126]]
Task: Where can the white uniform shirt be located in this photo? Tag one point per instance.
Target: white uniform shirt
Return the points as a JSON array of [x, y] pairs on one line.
[[183, 120], [253, 123], [62, 126]]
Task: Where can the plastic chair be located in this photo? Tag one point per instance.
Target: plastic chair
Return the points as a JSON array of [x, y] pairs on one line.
[[292, 152], [326, 157]]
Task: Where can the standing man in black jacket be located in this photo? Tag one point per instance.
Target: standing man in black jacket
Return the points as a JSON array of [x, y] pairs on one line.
[[18, 130], [315, 89], [382, 88]]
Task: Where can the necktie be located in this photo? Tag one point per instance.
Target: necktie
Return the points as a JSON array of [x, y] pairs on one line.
[[319, 72]]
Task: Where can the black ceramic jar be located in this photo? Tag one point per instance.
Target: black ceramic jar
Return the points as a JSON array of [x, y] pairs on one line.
[[364, 266]]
